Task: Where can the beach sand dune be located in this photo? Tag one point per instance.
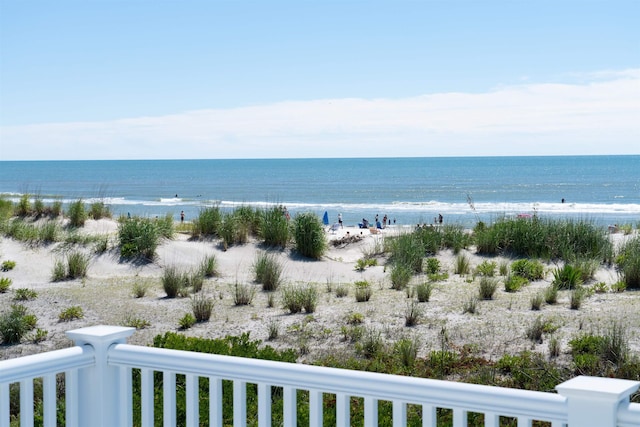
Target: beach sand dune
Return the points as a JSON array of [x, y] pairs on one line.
[[106, 297]]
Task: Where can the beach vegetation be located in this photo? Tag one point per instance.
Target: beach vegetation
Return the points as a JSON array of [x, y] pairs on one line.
[[309, 235], [243, 294], [23, 207], [195, 280], [413, 313], [455, 237], [292, 299], [551, 294], [618, 287], [628, 262], [40, 335], [250, 219], [433, 265], [513, 283], [342, 290], [273, 330], [15, 323], [537, 300], [527, 268], [39, 208], [371, 344], [132, 321], [363, 263], [140, 288], [268, 271], [174, 281], [71, 313], [202, 306], [99, 210], [77, 213], [354, 318], [209, 266], [187, 321], [24, 294], [400, 276], [363, 291], [486, 268], [488, 287], [165, 226], [77, 265], [600, 288], [503, 268], [576, 297], [470, 305], [5, 284], [6, 209], [407, 251], [567, 277], [208, 222], [406, 351], [59, 272], [423, 291], [461, 265], [230, 231], [274, 227], [544, 238], [138, 238]]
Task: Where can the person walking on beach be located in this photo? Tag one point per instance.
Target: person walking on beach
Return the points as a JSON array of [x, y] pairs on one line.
[[181, 216], [340, 220]]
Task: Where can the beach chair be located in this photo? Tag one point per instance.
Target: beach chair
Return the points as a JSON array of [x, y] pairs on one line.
[[335, 227]]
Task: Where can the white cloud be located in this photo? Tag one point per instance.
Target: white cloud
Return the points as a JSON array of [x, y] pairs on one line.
[[598, 116]]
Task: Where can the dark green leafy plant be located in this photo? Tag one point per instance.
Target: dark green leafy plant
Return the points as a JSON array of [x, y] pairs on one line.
[[309, 235]]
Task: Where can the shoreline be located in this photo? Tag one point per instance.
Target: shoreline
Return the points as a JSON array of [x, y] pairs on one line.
[[106, 298]]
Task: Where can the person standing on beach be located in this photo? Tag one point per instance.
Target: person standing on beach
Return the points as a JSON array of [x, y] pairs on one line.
[[181, 216], [340, 220]]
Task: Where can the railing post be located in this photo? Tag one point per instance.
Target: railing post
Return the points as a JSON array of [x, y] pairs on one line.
[[594, 401], [99, 385]]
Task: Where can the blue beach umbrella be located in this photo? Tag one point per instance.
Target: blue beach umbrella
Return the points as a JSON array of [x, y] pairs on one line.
[[325, 218]]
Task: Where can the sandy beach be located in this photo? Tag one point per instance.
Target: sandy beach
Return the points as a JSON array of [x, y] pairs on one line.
[[106, 297]]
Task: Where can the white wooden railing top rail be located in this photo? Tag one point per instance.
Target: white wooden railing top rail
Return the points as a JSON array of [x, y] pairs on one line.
[[98, 389]]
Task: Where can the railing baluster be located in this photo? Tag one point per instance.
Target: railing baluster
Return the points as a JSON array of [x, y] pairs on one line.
[[342, 409], [26, 403], [429, 415], [459, 417], [315, 408], [49, 400], [239, 403], [4, 405], [193, 405], [399, 414], [215, 402], [264, 405], [525, 422], [146, 387], [169, 398], [370, 411], [71, 395], [126, 397], [491, 420], [289, 407]]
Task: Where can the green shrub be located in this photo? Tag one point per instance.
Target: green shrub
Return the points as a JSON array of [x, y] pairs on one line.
[[577, 297], [140, 289], [5, 284], [619, 287], [309, 235], [187, 321], [342, 290], [536, 301], [513, 283], [454, 237], [408, 251], [413, 313], [536, 330], [503, 268], [138, 238], [486, 268], [24, 294], [23, 208], [355, 318], [132, 321], [274, 227], [165, 226], [600, 288], [488, 287], [423, 291], [99, 210], [529, 269], [229, 231], [71, 313], [371, 343], [567, 277], [400, 276], [59, 271], [406, 350], [202, 307], [77, 213], [195, 280], [551, 294], [628, 262], [14, 324], [433, 265], [40, 335], [363, 291], [268, 271], [174, 281], [470, 305], [292, 299], [8, 265]]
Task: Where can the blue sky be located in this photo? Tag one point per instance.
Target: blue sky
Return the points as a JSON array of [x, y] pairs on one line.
[[98, 79]]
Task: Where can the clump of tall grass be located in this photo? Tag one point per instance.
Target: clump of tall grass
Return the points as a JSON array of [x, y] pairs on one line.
[[186, 321], [628, 262], [99, 210], [462, 265], [174, 282], [423, 291], [15, 323], [370, 343], [139, 289], [274, 227], [342, 290], [232, 231], [513, 283], [407, 250], [433, 265], [243, 294], [454, 237], [309, 235], [207, 224], [576, 297], [551, 294], [363, 291], [268, 271], [138, 238], [209, 266], [470, 305], [74, 266], [297, 298], [488, 287], [527, 268], [544, 238], [77, 213], [24, 294], [536, 301], [486, 268], [23, 207], [406, 350], [202, 306], [400, 276], [413, 313]]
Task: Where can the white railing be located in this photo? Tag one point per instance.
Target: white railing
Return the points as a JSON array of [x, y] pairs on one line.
[[98, 384]]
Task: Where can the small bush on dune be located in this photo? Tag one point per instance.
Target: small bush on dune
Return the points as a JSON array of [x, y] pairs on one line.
[[423, 291], [551, 294], [243, 294], [173, 281], [529, 269], [486, 268], [78, 263], [433, 266], [487, 288], [309, 235], [187, 321], [138, 237], [25, 294], [268, 271], [5, 284], [400, 276], [413, 313], [628, 263], [513, 283], [207, 224], [71, 313], [15, 323], [363, 291], [209, 266], [567, 277], [202, 307], [23, 208], [99, 210], [462, 265], [274, 227]]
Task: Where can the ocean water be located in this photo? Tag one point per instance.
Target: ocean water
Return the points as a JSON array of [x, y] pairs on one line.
[[602, 189]]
